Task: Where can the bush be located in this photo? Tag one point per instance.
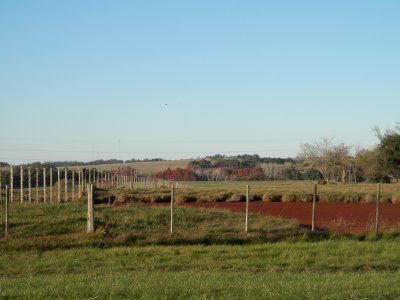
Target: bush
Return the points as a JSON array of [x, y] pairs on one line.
[[332, 197], [236, 198], [352, 198], [271, 198], [304, 197], [256, 198], [289, 197], [395, 198], [385, 199], [370, 198]]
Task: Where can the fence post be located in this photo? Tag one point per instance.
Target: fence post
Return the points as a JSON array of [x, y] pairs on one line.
[[90, 215], [66, 184], [37, 185], [29, 185], [51, 185], [58, 186], [246, 229], [79, 184], [11, 184], [44, 185], [172, 208], [314, 200], [73, 185], [378, 196], [6, 216], [22, 184]]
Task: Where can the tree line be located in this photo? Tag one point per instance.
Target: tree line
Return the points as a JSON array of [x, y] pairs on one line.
[[322, 160]]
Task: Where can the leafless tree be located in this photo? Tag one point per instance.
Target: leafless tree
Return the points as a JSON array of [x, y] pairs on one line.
[[333, 162]]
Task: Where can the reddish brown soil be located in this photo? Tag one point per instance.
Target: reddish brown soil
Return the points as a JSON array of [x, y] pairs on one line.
[[341, 217]]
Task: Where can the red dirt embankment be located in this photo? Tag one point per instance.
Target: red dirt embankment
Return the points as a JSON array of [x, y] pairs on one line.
[[341, 217]]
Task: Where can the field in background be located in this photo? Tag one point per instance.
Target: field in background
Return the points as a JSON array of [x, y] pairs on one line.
[[272, 191], [144, 168], [285, 187]]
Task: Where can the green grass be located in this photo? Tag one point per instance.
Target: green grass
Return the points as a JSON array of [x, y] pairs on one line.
[[50, 226], [131, 255], [323, 270]]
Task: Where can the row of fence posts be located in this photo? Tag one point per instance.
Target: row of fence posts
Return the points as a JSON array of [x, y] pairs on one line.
[[90, 210], [136, 181], [100, 178], [313, 209]]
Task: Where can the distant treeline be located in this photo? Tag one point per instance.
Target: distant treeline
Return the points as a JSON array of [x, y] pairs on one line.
[[81, 163], [240, 167]]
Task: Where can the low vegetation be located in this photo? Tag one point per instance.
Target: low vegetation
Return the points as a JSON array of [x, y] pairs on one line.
[[270, 191], [48, 254], [51, 226]]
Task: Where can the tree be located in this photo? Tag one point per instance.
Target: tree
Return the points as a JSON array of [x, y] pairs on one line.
[[389, 150], [367, 163], [333, 162]]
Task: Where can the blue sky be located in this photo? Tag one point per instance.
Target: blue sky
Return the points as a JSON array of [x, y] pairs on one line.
[[83, 80]]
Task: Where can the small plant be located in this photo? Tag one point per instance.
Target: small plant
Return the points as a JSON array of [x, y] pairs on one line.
[[292, 197], [370, 198], [236, 198], [395, 198]]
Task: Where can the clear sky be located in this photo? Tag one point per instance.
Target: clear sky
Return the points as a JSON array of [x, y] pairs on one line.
[[83, 80]]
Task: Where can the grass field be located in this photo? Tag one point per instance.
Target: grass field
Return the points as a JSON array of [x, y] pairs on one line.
[[323, 270], [276, 191], [144, 168], [50, 226], [132, 255]]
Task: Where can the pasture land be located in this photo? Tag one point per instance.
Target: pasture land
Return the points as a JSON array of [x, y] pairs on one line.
[[303, 270], [329, 193], [144, 167], [48, 254], [50, 226], [270, 191]]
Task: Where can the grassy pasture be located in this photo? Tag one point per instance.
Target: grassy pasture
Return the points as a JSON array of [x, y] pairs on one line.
[[50, 226], [132, 255], [144, 168], [323, 270], [293, 191]]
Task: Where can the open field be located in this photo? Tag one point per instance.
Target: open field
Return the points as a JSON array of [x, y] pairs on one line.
[[144, 168], [322, 270], [50, 226], [48, 254], [271, 191], [328, 193], [339, 217]]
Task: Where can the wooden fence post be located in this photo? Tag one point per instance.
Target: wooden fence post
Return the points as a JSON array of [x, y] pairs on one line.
[[29, 185], [378, 196], [22, 184], [90, 215], [58, 185], [66, 184], [37, 185], [314, 200], [44, 185], [246, 228], [79, 184], [172, 208], [73, 185], [51, 185], [6, 216], [11, 184]]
